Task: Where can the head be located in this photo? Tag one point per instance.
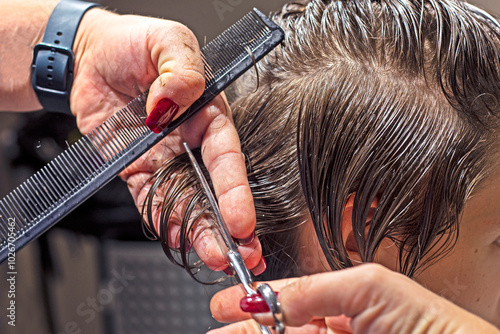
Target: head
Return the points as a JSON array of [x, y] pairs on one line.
[[372, 137]]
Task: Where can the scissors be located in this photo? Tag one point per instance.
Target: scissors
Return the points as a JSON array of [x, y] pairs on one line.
[[236, 261]]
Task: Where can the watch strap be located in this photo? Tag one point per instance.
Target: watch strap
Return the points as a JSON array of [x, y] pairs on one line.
[[53, 59]]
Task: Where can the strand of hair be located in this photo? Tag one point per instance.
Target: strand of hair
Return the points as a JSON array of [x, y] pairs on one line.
[[247, 27], [225, 58]]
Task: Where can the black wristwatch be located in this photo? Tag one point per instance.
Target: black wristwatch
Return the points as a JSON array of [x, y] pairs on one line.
[[53, 59]]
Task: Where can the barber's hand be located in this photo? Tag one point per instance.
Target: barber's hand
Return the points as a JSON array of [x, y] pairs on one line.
[[117, 58], [365, 299]]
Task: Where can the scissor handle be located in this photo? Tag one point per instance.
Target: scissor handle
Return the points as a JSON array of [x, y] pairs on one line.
[[274, 305]]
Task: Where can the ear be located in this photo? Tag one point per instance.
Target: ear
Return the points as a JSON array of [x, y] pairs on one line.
[[347, 230]]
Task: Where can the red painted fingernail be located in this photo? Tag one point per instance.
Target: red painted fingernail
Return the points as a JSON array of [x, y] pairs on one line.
[[254, 304], [260, 268], [247, 241], [162, 115]]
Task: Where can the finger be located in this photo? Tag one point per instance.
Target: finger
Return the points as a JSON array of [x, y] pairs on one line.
[[212, 251], [252, 255], [206, 244], [149, 162], [205, 236], [181, 79], [349, 292], [225, 307], [222, 156], [225, 304]]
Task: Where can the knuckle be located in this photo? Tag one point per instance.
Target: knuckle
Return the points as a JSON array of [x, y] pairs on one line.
[[291, 296], [228, 162], [219, 121], [373, 272], [183, 31], [371, 276], [193, 78], [303, 285]]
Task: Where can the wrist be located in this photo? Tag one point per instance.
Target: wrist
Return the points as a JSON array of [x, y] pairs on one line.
[[45, 8], [53, 58]]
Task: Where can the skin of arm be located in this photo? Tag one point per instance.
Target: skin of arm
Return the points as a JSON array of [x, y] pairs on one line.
[[22, 24]]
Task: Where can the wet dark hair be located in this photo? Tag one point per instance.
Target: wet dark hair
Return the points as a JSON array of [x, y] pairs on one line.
[[389, 100]]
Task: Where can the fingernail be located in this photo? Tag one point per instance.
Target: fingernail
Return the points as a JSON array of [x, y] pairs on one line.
[[247, 241], [162, 115], [260, 268], [254, 304]]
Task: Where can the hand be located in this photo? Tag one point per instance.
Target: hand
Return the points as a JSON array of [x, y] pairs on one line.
[[119, 57], [365, 299]]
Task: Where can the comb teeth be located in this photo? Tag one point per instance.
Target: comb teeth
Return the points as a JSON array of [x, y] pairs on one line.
[[49, 188], [121, 130], [71, 170], [95, 159], [234, 44]]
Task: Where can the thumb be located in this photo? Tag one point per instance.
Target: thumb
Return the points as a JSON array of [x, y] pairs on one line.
[[175, 51], [345, 292], [359, 293], [377, 300]]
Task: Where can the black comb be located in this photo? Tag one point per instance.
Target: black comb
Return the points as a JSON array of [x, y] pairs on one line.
[[90, 163]]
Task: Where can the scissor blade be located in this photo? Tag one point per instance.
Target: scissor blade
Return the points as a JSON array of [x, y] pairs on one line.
[[226, 236], [237, 262]]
